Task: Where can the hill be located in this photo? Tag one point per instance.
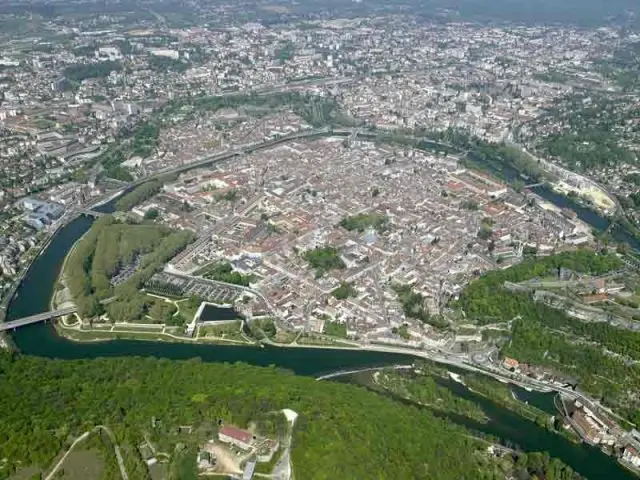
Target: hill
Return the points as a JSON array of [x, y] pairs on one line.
[[342, 431]]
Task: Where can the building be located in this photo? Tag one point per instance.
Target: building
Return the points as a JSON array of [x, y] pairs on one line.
[[589, 426], [510, 363], [39, 213], [205, 460], [586, 426], [631, 456], [249, 469], [267, 450], [236, 437]]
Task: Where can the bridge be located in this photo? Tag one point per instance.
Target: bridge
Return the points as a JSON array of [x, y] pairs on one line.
[[91, 213], [40, 317]]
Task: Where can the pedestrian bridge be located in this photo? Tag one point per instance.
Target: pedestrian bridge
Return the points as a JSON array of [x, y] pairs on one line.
[[40, 317]]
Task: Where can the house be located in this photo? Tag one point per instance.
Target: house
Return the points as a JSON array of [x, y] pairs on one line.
[[631, 455], [510, 363], [237, 437]]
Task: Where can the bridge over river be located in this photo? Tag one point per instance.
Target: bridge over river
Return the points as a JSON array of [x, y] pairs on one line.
[[40, 317]]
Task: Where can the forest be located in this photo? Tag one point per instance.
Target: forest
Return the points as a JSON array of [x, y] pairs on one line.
[[108, 249], [138, 195], [82, 71], [343, 431], [548, 337], [485, 300], [608, 377]]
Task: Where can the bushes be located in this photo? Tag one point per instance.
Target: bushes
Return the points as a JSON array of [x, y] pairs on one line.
[[324, 259]]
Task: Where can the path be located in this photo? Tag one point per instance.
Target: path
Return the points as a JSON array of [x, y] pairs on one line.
[[116, 448], [64, 457], [229, 464], [283, 469]]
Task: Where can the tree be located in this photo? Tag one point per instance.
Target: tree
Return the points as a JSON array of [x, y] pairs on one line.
[[152, 214], [485, 232]]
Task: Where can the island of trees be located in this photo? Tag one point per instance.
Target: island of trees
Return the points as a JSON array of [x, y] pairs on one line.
[[113, 261], [364, 221], [324, 259]]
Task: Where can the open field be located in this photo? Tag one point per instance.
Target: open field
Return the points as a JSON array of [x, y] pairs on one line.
[[82, 465]]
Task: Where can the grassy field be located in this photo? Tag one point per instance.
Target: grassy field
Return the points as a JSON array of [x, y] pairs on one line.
[[228, 331], [26, 473], [101, 335], [159, 471], [82, 465], [309, 339], [285, 337], [188, 308]]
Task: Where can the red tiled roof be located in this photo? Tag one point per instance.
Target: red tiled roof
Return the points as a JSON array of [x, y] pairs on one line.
[[237, 434]]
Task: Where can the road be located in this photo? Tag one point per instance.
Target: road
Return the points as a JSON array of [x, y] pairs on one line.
[[283, 470]]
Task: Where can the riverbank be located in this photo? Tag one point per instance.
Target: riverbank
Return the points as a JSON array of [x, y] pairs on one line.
[[93, 335], [502, 421]]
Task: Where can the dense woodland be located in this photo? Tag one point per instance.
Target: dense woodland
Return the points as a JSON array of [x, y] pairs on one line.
[[607, 376], [83, 71], [108, 248], [343, 431]]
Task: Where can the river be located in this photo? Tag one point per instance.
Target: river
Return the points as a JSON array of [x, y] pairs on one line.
[[517, 432], [34, 294]]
